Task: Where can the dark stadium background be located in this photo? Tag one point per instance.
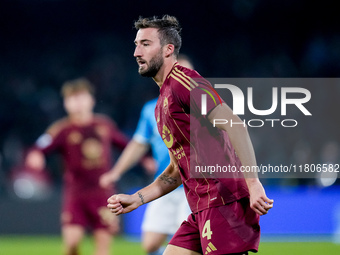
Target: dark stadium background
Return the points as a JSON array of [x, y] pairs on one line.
[[43, 43]]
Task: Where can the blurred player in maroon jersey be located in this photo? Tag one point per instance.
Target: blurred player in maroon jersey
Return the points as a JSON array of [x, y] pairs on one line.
[[85, 140], [225, 211]]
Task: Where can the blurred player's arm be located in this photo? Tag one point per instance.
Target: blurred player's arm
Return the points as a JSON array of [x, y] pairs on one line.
[[48, 142], [131, 155], [242, 144], [169, 180], [118, 138]]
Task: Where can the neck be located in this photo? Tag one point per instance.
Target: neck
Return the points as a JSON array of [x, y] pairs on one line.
[[164, 71], [81, 118]]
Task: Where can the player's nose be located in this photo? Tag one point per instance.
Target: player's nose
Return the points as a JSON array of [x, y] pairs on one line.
[[137, 52]]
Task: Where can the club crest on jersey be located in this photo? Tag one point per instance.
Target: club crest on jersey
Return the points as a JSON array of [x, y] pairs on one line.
[[75, 137], [92, 148], [167, 137]]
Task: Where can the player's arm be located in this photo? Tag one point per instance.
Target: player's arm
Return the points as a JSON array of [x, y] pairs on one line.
[[118, 138], [50, 141], [168, 181], [241, 142], [130, 156], [45, 144]]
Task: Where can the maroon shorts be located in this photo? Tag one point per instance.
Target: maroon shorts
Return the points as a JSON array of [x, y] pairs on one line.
[[89, 211], [228, 229]]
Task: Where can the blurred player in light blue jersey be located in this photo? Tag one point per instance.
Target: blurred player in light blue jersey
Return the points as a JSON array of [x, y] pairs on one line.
[[162, 216]]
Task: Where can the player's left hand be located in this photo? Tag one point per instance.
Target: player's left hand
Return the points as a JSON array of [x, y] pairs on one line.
[[259, 201]]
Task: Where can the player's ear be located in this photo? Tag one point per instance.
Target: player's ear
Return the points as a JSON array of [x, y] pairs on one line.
[[169, 50]]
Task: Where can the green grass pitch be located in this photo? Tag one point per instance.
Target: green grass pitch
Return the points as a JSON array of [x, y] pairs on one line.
[[51, 245]]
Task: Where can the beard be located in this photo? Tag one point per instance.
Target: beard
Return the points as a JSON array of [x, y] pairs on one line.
[[154, 66]]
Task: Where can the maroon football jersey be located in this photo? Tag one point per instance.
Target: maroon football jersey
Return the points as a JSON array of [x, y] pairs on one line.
[[86, 150], [194, 142]]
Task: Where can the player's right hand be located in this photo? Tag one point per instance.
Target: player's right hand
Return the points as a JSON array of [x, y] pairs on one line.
[[121, 203]]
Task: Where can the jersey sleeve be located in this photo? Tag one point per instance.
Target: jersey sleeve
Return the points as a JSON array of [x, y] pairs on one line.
[[144, 129], [118, 138], [51, 140], [196, 96]]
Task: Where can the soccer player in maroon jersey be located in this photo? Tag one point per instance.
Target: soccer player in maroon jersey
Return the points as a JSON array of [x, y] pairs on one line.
[[85, 140], [225, 211]]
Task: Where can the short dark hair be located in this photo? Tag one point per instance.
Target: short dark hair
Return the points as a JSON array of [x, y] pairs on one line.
[[78, 85], [168, 28]]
